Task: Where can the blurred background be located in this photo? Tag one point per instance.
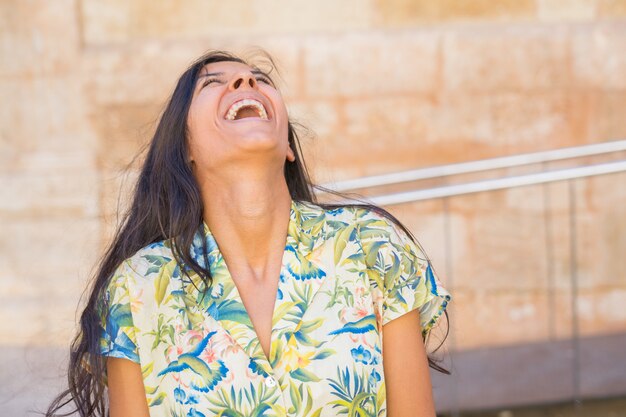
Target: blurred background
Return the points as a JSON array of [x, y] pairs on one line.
[[503, 122]]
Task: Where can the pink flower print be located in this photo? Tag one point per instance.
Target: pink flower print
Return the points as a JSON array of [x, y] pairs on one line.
[[361, 339], [184, 342], [229, 378], [359, 291], [208, 355], [356, 312], [135, 302], [226, 344], [360, 312]]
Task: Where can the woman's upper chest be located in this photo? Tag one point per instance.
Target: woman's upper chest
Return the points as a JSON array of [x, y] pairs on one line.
[[259, 299]]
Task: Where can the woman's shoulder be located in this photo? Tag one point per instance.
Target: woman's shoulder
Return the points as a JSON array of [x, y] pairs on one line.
[[346, 214], [149, 260], [365, 217]]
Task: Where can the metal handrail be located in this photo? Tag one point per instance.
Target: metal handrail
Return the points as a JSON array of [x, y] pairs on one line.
[[499, 183], [476, 166]]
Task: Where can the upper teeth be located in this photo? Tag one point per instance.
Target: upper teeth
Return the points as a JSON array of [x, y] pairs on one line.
[[232, 112]]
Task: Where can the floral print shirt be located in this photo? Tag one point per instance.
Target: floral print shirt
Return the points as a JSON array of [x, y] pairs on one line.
[[345, 273]]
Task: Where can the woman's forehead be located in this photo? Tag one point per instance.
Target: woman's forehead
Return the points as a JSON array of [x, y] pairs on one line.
[[225, 66]]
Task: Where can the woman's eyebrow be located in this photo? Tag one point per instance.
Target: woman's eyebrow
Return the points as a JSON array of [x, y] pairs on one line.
[[211, 74]]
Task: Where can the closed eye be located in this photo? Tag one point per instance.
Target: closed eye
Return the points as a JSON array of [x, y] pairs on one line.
[[265, 80], [209, 80]]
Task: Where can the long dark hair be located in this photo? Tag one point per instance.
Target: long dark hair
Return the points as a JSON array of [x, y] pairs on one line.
[[167, 204]]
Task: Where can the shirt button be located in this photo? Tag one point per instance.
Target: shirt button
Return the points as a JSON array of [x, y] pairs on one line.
[[270, 382]]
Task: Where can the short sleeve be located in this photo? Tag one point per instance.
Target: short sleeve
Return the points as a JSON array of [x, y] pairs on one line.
[[410, 282], [117, 328]]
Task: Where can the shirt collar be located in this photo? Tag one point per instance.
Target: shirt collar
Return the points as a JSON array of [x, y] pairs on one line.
[[304, 255], [306, 231]]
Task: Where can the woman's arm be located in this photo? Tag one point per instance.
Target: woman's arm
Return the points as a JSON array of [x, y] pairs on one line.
[[407, 378], [127, 395]]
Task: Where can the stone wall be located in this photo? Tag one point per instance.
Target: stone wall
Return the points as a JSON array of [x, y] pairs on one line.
[[386, 85]]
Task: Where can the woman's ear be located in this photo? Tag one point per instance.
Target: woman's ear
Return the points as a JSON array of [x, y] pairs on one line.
[[291, 156]]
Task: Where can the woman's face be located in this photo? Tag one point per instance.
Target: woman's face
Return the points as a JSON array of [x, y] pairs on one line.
[[224, 134]]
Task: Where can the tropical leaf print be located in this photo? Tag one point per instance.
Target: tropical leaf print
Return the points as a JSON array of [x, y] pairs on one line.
[[353, 391], [345, 273], [205, 375]]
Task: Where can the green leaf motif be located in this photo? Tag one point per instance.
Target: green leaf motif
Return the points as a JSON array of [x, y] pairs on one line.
[[341, 241], [296, 398], [120, 313], [162, 281], [157, 400], [234, 311], [147, 369], [323, 354], [283, 309], [304, 375]]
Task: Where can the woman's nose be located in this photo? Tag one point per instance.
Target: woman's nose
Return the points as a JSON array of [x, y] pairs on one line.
[[242, 81]]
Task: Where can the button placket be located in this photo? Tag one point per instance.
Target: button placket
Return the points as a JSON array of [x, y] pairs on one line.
[[270, 382]]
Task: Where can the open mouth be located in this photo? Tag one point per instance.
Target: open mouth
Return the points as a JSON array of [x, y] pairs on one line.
[[246, 109]]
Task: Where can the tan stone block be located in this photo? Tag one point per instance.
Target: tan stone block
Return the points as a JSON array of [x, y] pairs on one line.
[[122, 130], [322, 118], [405, 12], [45, 114], [460, 127], [363, 64], [500, 123], [143, 73], [146, 72], [561, 321], [443, 236], [600, 233], [37, 321], [67, 161], [403, 132], [606, 115], [285, 50], [406, 119], [396, 13], [611, 8], [332, 155], [566, 10], [497, 318], [108, 22], [498, 59], [116, 22], [297, 17], [49, 194], [116, 189], [601, 311], [62, 247], [533, 122], [598, 57], [505, 249], [550, 198], [606, 193], [485, 9], [38, 37]]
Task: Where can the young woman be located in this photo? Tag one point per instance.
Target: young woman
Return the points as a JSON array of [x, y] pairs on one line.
[[229, 290]]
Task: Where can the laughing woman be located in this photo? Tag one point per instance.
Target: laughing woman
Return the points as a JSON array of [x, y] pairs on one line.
[[229, 290]]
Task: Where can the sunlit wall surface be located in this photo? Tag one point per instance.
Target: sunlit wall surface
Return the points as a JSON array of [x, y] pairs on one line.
[[538, 272]]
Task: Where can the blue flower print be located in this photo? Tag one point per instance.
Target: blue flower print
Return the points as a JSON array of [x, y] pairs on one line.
[[182, 397], [195, 413], [374, 378], [362, 355], [218, 291], [179, 395], [255, 368]]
